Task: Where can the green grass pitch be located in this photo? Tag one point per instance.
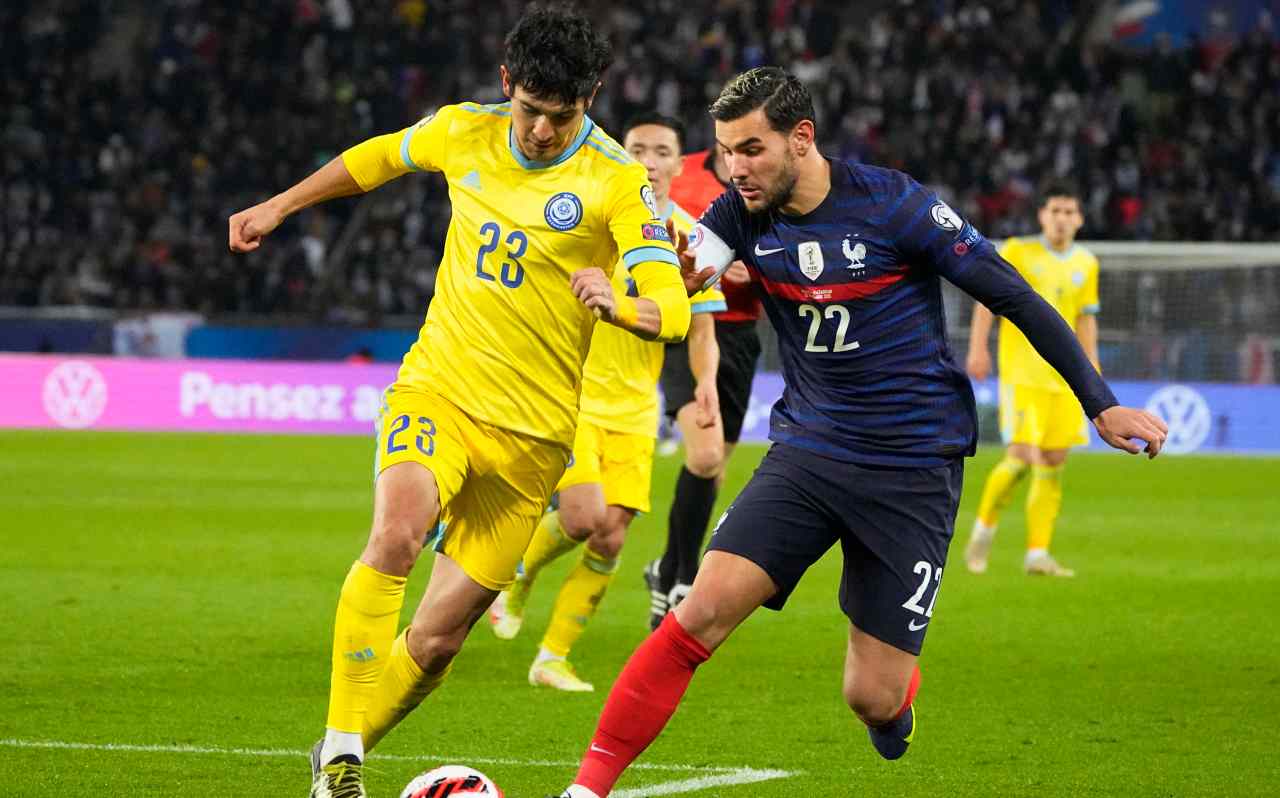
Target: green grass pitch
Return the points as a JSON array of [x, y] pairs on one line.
[[178, 590]]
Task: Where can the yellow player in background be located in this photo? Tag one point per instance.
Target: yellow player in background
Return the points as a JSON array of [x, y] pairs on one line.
[[1040, 419], [607, 482], [479, 425]]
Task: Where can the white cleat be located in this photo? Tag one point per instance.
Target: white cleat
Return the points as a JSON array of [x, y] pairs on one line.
[[1045, 565], [505, 625], [558, 673], [979, 548]]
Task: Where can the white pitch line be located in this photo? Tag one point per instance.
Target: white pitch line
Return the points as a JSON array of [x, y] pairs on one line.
[[716, 775], [734, 779]]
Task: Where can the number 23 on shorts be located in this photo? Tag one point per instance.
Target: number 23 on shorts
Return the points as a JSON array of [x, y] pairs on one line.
[[423, 436]]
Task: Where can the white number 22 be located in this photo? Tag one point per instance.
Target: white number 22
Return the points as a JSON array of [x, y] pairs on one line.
[[930, 575], [815, 322]]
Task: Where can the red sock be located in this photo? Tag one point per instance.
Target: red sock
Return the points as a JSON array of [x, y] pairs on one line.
[[641, 702], [912, 688]]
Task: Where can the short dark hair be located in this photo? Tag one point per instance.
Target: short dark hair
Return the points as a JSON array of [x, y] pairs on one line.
[[555, 53], [785, 100], [655, 118], [1058, 188]]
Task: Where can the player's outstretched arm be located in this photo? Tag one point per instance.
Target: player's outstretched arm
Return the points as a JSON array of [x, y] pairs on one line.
[[250, 226], [997, 285]]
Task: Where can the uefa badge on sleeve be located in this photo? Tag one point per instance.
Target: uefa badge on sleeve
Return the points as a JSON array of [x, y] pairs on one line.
[[649, 200], [563, 211]]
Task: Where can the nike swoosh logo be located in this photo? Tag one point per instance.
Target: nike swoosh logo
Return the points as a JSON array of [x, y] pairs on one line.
[[912, 626], [600, 750], [762, 252]]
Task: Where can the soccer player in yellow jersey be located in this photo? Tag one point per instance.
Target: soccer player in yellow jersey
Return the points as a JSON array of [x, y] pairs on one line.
[[1040, 418], [607, 482], [479, 425]]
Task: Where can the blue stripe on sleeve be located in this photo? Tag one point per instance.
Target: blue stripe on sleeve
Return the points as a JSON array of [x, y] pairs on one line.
[[404, 151], [643, 254], [712, 306], [1091, 309]]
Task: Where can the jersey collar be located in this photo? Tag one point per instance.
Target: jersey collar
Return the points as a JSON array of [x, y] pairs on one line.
[[1071, 250], [574, 146]]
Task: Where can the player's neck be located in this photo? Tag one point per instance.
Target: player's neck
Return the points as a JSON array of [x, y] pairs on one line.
[[664, 205], [813, 184], [1061, 247]]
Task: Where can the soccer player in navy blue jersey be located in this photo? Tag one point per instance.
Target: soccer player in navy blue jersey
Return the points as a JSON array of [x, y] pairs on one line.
[[871, 432]]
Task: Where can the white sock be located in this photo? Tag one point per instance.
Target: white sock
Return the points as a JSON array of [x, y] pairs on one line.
[[981, 530], [337, 743], [1036, 554], [545, 656], [578, 791]]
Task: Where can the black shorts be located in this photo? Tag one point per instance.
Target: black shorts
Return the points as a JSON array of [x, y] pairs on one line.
[[739, 351], [893, 524]]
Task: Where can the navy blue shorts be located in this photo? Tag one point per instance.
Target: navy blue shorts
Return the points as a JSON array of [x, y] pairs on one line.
[[893, 524]]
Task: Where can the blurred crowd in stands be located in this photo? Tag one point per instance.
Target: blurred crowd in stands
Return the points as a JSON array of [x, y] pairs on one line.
[[131, 130]]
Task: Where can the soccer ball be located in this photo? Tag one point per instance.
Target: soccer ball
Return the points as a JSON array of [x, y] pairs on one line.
[[451, 781]]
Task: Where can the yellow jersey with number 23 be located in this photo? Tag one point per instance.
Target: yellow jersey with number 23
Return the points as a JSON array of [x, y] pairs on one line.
[[505, 338]]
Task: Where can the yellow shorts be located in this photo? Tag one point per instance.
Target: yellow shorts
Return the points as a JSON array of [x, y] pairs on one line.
[[494, 484], [1040, 418], [622, 462]]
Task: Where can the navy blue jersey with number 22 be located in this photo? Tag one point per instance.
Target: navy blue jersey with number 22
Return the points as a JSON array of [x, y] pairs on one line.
[[853, 290]]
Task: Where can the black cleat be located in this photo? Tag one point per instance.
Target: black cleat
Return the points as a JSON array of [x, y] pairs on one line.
[[658, 603], [891, 739]]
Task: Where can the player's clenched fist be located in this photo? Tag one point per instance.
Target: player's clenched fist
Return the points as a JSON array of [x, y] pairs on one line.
[[593, 288], [248, 227]]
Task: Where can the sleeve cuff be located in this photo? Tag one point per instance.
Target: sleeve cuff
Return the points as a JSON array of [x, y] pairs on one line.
[[644, 254]]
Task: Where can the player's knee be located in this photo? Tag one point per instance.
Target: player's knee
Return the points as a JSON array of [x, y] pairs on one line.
[[873, 703], [705, 461], [580, 524], [395, 543], [434, 651], [706, 619]]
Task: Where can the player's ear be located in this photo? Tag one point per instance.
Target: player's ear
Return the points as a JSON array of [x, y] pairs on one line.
[[802, 137], [506, 80]]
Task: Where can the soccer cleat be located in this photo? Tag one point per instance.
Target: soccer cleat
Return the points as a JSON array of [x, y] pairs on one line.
[[658, 604], [343, 777], [979, 548], [891, 739], [1045, 565], [507, 615], [558, 673]]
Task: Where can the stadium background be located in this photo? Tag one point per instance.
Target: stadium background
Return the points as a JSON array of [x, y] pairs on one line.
[[131, 130]]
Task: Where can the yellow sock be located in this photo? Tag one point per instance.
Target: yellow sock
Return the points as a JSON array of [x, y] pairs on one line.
[[549, 543], [1044, 500], [368, 613], [999, 489], [402, 687], [579, 597]]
